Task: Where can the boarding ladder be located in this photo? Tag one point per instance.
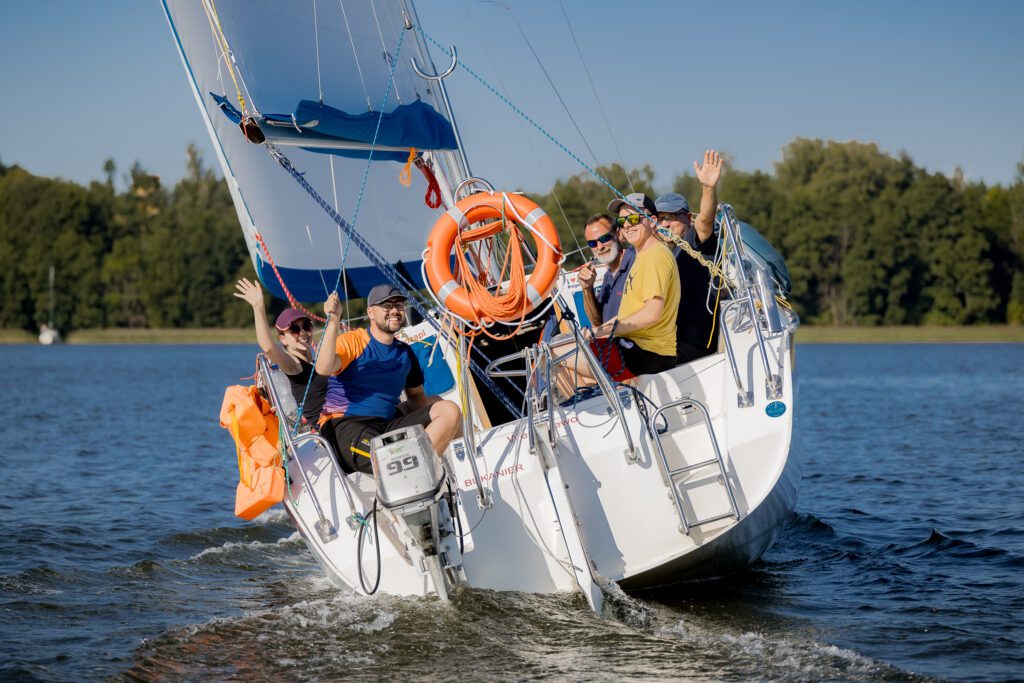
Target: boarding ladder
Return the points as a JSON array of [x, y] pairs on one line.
[[675, 475]]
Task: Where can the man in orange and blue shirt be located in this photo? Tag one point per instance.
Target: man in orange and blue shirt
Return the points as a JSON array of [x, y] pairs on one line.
[[367, 373]]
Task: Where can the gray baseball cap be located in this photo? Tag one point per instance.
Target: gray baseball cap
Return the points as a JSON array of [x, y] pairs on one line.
[[672, 203], [635, 200], [382, 293]]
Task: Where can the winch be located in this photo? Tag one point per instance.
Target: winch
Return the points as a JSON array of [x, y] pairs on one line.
[[410, 477]]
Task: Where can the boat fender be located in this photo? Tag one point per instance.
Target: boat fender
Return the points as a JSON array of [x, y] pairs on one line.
[[489, 206], [254, 428]]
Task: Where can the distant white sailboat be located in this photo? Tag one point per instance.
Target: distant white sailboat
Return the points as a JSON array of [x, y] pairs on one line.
[[48, 332]]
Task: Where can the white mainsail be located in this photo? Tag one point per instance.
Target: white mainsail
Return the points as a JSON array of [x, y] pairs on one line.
[[247, 58]]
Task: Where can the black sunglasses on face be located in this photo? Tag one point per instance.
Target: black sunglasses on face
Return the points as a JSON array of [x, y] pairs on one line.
[[681, 216], [631, 219], [603, 239], [295, 328]]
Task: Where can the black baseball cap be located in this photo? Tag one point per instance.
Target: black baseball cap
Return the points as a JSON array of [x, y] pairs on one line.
[[382, 293]]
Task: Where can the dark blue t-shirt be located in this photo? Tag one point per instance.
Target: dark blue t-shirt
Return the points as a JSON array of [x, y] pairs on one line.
[[609, 294]]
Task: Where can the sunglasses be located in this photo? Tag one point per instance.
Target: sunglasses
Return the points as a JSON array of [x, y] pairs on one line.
[[295, 328], [672, 216], [631, 219], [387, 306], [603, 239]]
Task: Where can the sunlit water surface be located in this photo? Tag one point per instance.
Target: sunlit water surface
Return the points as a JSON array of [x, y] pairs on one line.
[[119, 555]]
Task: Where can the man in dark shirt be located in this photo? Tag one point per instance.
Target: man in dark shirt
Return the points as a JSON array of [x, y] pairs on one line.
[[697, 328], [602, 303]]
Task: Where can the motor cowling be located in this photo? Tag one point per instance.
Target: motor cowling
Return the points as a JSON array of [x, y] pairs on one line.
[[406, 467]]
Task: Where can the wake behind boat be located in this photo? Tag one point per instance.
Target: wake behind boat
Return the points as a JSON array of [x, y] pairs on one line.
[[679, 475]]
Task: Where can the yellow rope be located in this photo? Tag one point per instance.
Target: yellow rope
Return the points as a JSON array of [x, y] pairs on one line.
[[222, 43], [713, 268]]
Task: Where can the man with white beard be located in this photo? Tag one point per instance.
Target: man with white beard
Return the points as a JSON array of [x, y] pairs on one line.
[[602, 303]]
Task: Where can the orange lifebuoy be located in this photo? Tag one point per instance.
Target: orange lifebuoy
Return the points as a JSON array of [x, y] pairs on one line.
[[453, 227]]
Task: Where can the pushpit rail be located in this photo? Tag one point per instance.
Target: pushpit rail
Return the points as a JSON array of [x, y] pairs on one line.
[[753, 288], [323, 526]]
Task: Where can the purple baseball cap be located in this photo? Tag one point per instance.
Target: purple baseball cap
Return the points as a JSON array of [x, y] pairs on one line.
[[288, 316]]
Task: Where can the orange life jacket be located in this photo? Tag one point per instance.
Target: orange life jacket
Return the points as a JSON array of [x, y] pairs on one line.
[[254, 428]]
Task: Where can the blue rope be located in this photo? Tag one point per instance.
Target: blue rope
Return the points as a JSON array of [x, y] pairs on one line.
[[381, 264], [369, 157], [533, 123]]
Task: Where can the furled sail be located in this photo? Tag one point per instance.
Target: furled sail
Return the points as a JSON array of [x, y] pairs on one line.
[[311, 79]]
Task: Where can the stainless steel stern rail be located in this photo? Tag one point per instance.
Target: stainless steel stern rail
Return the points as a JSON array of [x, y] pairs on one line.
[[324, 528]]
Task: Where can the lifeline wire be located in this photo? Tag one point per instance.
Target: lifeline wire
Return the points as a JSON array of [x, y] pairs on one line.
[[529, 120], [689, 250]]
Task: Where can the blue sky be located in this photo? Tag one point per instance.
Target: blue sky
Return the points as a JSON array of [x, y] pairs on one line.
[[942, 81]]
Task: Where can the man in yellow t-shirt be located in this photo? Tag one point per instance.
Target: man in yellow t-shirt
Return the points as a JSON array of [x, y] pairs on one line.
[[641, 339], [644, 332]]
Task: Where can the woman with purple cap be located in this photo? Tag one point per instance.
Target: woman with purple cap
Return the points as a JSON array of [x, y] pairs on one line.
[[291, 350]]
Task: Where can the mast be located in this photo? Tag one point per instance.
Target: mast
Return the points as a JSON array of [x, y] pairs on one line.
[[454, 166], [51, 297]]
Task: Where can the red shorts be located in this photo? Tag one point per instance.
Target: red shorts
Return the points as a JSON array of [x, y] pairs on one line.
[[609, 355]]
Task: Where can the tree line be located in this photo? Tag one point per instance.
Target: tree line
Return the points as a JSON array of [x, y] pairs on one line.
[[869, 238]]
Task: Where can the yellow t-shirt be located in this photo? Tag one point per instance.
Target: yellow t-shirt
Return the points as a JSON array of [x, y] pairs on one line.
[[654, 273]]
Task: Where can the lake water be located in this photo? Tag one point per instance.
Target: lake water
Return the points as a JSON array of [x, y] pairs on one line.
[[120, 557]]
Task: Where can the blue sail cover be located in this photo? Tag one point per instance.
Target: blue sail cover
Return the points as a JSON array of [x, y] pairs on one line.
[[764, 253], [409, 125], [272, 60]]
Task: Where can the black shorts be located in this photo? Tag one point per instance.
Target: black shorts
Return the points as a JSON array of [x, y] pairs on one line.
[[351, 436], [691, 352], [640, 362]]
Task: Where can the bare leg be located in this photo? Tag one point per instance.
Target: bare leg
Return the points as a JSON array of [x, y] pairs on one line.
[[571, 373], [404, 408], [445, 424]]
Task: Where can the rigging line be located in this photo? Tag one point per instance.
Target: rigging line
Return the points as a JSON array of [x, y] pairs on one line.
[[369, 156], [319, 271], [529, 142], [552, 84], [572, 155], [352, 41], [597, 97], [341, 249], [383, 46], [222, 48], [316, 40], [229, 57], [380, 263]]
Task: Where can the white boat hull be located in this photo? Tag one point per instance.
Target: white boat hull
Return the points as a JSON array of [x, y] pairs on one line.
[[624, 514]]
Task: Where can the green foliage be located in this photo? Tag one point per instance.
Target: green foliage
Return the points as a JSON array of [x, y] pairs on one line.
[[870, 239], [141, 258]]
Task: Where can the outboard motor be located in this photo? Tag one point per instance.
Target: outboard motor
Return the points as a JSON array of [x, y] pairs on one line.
[[410, 477]]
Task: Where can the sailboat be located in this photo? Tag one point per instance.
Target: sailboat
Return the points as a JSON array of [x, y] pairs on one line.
[[48, 332], [315, 114]]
